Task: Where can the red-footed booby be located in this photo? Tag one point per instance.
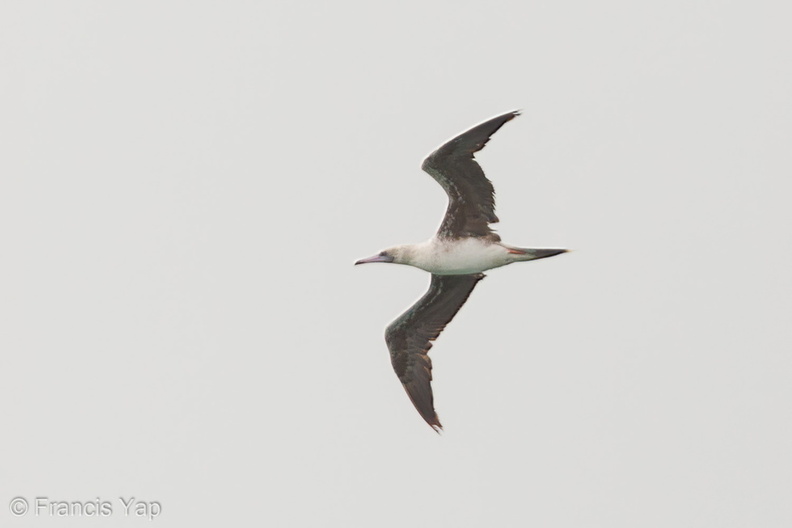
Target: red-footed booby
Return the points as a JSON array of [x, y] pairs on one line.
[[456, 256]]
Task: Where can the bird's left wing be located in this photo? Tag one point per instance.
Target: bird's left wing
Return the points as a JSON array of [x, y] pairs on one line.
[[410, 337]]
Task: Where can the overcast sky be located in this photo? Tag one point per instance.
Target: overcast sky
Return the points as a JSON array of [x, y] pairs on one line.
[[185, 186]]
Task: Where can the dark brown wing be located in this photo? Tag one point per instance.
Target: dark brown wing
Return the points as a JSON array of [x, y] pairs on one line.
[[410, 337], [471, 198]]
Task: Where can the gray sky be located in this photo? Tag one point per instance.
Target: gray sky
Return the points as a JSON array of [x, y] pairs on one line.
[[186, 186]]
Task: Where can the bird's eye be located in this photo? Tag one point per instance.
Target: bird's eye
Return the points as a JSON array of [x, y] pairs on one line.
[[383, 254]]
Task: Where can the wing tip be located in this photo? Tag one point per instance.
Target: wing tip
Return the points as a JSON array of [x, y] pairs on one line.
[[508, 116], [433, 421]]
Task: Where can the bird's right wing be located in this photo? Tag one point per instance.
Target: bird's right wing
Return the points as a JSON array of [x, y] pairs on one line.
[[410, 337], [471, 197]]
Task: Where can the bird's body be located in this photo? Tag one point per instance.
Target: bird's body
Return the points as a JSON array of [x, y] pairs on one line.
[[456, 256], [461, 256]]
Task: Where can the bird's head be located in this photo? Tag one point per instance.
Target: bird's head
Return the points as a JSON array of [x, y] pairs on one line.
[[396, 254]]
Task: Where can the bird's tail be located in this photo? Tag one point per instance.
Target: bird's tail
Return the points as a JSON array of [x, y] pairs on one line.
[[522, 254]]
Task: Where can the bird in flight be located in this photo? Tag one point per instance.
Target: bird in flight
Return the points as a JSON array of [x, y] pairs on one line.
[[456, 256]]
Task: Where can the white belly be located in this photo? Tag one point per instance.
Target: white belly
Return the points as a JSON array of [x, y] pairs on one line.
[[460, 257]]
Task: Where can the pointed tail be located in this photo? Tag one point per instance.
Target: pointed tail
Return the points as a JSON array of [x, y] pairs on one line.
[[523, 254]]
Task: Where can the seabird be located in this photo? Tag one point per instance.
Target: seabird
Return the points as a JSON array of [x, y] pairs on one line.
[[456, 256]]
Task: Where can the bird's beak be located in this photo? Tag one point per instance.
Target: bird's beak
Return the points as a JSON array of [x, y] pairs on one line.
[[375, 258]]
